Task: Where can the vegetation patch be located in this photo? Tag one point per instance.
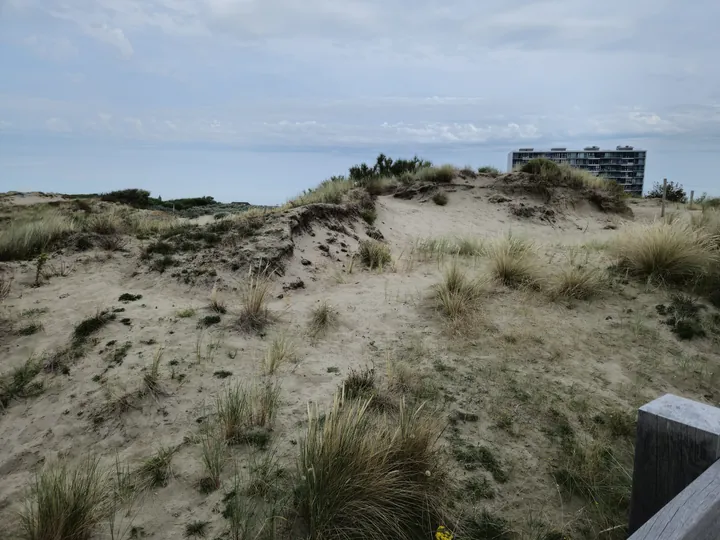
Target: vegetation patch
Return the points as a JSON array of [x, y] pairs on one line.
[[19, 383], [440, 198], [91, 326], [127, 297], [360, 476], [374, 254], [473, 457]]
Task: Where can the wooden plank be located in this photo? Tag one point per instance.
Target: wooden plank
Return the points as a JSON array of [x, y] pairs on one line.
[[677, 440], [693, 515]]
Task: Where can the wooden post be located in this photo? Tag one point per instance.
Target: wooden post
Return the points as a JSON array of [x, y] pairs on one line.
[[677, 440], [662, 211], [693, 515], [692, 198]]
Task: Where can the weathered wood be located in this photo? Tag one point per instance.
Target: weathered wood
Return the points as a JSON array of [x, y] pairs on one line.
[[693, 515], [677, 440]]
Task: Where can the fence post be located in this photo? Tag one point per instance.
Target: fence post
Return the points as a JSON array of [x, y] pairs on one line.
[[692, 198], [662, 211], [677, 440]]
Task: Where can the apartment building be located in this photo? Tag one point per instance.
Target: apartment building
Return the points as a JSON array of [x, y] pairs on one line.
[[625, 165]]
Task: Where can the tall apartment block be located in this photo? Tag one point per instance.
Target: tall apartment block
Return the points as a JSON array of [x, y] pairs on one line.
[[625, 164]]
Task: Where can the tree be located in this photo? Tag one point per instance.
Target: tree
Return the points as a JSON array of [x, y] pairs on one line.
[[675, 192]]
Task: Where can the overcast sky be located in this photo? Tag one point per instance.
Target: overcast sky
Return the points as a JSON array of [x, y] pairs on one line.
[[282, 74]]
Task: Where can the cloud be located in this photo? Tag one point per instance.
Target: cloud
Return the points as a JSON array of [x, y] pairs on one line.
[[367, 72], [58, 124], [114, 37]]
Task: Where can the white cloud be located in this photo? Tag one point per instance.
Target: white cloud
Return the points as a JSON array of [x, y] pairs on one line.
[[112, 36], [324, 72], [58, 125]]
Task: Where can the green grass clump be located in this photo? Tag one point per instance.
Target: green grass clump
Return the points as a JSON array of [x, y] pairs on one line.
[[185, 313], [240, 409], [374, 254], [24, 238], [372, 477], [255, 294], [90, 326], [67, 503]]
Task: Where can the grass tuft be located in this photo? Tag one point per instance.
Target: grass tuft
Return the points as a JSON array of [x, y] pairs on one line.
[[18, 383], [254, 314], [67, 503], [374, 254], [196, 529], [456, 295], [22, 239], [240, 409], [672, 252], [579, 281], [214, 450], [511, 261], [280, 351], [364, 476], [156, 471], [322, 318], [443, 174]]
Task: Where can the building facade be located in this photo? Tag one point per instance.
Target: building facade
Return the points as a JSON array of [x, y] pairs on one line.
[[625, 165]]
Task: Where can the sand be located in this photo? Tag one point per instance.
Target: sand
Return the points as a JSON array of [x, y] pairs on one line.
[[608, 353]]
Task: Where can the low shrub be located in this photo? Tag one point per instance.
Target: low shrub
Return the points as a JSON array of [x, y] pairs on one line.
[[440, 198]]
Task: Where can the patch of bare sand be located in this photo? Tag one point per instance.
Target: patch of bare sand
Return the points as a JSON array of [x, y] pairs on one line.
[[528, 365]]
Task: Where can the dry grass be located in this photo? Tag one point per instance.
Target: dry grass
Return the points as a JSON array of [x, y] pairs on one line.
[[241, 408], [409, 380], [24, 238], [511, 261], [151, 379], [456, 296], [67, 503], [280, 351], [328, 192], [443, 174], [216, 303], [5, 286], [373, 477], [374, 254], [578, 281], [438, 248], [672, 252], [322, 318], [255, 294]]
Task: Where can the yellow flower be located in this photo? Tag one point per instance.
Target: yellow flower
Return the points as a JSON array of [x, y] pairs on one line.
[[443, 534]]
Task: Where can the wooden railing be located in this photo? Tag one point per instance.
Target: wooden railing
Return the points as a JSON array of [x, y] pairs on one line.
[[676, 476]]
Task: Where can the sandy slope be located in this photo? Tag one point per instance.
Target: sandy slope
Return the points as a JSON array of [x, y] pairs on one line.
[[528, 357]]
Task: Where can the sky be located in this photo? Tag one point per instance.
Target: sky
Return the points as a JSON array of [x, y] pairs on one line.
[[255, 100]]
